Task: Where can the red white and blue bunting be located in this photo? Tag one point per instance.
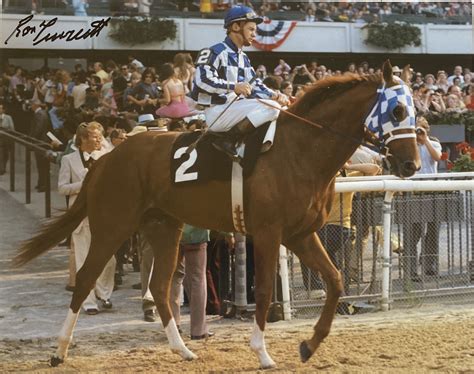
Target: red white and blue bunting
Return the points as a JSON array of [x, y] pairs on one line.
[[272, 34]]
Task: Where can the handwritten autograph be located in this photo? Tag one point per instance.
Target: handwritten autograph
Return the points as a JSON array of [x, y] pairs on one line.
[[22, 30]]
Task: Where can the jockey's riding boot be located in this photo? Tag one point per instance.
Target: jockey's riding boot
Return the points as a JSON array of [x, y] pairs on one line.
[[226, 142]]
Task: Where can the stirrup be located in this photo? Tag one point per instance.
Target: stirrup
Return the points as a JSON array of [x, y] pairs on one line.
[[234, 157], [223, 150]]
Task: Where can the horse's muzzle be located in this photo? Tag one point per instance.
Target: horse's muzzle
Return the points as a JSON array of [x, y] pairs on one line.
[[409, 168]]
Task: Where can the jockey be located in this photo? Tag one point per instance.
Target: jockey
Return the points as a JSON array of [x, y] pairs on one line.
[[224, 72]]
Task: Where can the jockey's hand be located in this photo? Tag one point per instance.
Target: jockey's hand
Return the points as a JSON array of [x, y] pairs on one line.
[[281, 99], [243, 88]]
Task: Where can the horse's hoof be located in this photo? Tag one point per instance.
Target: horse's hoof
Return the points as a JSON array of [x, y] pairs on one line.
[[186, 355], [191, 356], [56, 361], [269, 365], [305, 352]]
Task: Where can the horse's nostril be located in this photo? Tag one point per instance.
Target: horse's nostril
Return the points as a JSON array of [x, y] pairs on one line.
[[410, 166]]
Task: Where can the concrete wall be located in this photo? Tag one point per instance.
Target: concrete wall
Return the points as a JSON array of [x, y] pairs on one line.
[[194, 34]]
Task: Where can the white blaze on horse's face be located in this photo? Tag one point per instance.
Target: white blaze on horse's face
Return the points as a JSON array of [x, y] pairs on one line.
[[382, 120]]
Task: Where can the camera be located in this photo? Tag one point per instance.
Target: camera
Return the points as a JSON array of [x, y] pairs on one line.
[[420, 131]]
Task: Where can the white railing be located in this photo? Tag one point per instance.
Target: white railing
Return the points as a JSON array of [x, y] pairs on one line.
[[390, 185]]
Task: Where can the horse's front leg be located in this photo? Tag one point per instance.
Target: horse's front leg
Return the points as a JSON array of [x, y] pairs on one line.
[[266, 247], [164, 234], [314, 256]]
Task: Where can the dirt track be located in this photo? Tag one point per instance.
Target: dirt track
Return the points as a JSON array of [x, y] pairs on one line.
[[33, 305], [396, 342]]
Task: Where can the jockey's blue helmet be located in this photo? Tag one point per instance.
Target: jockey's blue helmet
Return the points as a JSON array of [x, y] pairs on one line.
[[241, 13]]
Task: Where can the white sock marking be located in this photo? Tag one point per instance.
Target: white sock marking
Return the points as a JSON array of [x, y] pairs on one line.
[[257, 344], [176, 342], [65, 335]]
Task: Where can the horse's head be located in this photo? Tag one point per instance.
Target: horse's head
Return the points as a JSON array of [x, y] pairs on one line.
[[393, 120]]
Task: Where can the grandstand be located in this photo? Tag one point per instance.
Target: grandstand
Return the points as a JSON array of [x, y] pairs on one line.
[[278, 10]]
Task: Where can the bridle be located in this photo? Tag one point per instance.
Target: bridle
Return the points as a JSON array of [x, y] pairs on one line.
[[381, 120]]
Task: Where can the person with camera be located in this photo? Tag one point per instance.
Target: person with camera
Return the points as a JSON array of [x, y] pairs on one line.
[[301, 76], [429, 148], [430, 154], [436, 102], [281, 68], [261, 72]]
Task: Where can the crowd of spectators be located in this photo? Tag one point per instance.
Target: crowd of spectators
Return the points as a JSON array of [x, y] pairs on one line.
[[362, 11], [116, 94], [342, 11], [442, 92], [129, 97]]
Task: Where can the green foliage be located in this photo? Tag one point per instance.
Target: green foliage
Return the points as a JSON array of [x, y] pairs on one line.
[[141, 30], [392, 36], [452, 118], [463, 163]]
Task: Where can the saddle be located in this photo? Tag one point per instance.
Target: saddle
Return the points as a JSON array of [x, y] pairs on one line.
[[205, 163]]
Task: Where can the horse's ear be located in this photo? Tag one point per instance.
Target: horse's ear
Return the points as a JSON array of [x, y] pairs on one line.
[[407, 74], [387, 71]]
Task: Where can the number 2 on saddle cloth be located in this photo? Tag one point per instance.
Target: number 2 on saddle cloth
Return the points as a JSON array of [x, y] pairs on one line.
[[205, 163]]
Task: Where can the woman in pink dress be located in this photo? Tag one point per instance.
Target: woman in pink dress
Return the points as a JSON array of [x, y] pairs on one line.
[[184, 69], [174, 91]]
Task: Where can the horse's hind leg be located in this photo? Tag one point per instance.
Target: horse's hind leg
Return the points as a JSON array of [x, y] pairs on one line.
[[266, 255], [100, 252], [312, 253], [163, 233]]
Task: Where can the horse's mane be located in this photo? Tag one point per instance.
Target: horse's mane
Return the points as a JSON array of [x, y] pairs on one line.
[[330, 87]]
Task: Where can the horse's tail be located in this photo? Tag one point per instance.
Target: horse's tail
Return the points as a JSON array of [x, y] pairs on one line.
[[54, 231]]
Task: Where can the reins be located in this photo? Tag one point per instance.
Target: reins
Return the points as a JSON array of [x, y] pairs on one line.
[[381, 149]]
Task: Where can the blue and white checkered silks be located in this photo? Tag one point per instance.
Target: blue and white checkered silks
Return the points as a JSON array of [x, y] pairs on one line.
[[381, 119], [218, 69]]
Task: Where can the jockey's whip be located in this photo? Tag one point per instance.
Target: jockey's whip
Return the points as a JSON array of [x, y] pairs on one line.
[[193, 145]]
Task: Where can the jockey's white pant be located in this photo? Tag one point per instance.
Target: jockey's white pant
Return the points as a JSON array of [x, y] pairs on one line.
[[256, 112]]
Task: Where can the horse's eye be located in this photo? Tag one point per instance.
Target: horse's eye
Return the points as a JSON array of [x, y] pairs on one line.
[[399, 113]]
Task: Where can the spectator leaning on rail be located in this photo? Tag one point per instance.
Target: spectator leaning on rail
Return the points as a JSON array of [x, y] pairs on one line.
[[40, 125], [430, 154], [6, 122], [336, 233], [224, 72]]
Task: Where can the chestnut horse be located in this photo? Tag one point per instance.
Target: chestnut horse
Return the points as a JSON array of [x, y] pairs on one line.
[[286, 199]]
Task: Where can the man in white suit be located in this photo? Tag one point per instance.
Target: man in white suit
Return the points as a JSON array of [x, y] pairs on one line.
[[74, 168]]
